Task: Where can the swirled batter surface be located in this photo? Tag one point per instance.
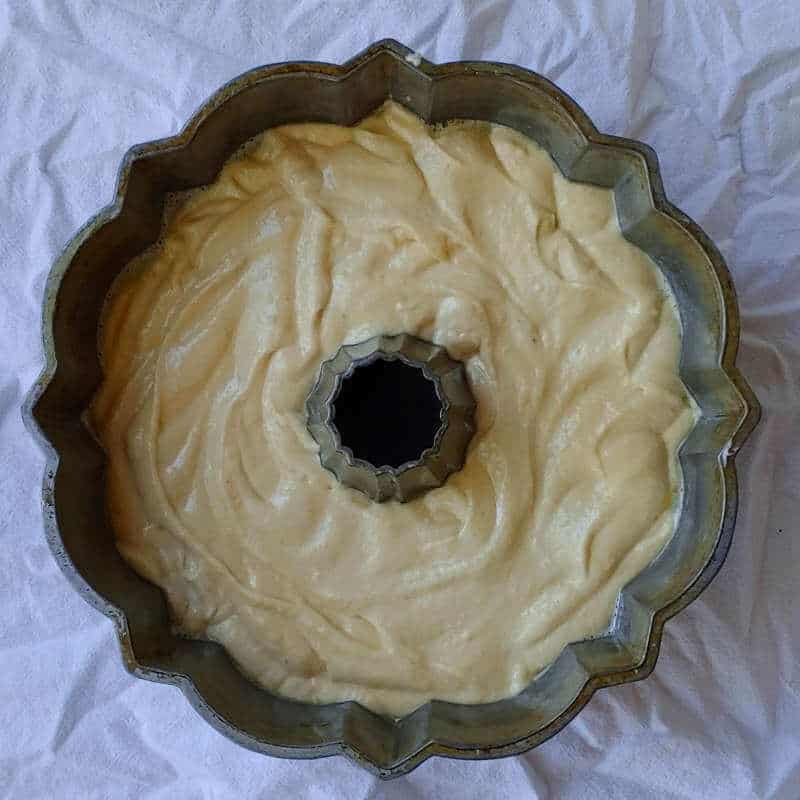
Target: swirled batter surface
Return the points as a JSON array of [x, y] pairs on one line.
[[466, 236]]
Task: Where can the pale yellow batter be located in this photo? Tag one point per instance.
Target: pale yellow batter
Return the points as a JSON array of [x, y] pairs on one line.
[[468, 237]]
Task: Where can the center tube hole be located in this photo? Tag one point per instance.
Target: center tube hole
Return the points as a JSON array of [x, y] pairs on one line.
[[387, 412]]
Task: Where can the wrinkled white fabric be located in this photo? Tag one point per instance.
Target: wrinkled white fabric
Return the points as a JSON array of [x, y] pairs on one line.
[[715, 89]]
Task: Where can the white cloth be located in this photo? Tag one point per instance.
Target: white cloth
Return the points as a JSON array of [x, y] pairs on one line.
[[714, 87]]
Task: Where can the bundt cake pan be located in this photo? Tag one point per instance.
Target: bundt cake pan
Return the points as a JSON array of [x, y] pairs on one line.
[[73, 496]]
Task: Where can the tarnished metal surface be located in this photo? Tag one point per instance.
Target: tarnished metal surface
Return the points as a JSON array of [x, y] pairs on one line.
[[76, 524], [447, 451]]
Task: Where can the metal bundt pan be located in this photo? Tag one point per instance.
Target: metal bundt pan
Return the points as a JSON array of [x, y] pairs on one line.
[[76, 524]]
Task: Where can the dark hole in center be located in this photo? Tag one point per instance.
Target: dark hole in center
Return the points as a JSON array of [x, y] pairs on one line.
[[387, 413]]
